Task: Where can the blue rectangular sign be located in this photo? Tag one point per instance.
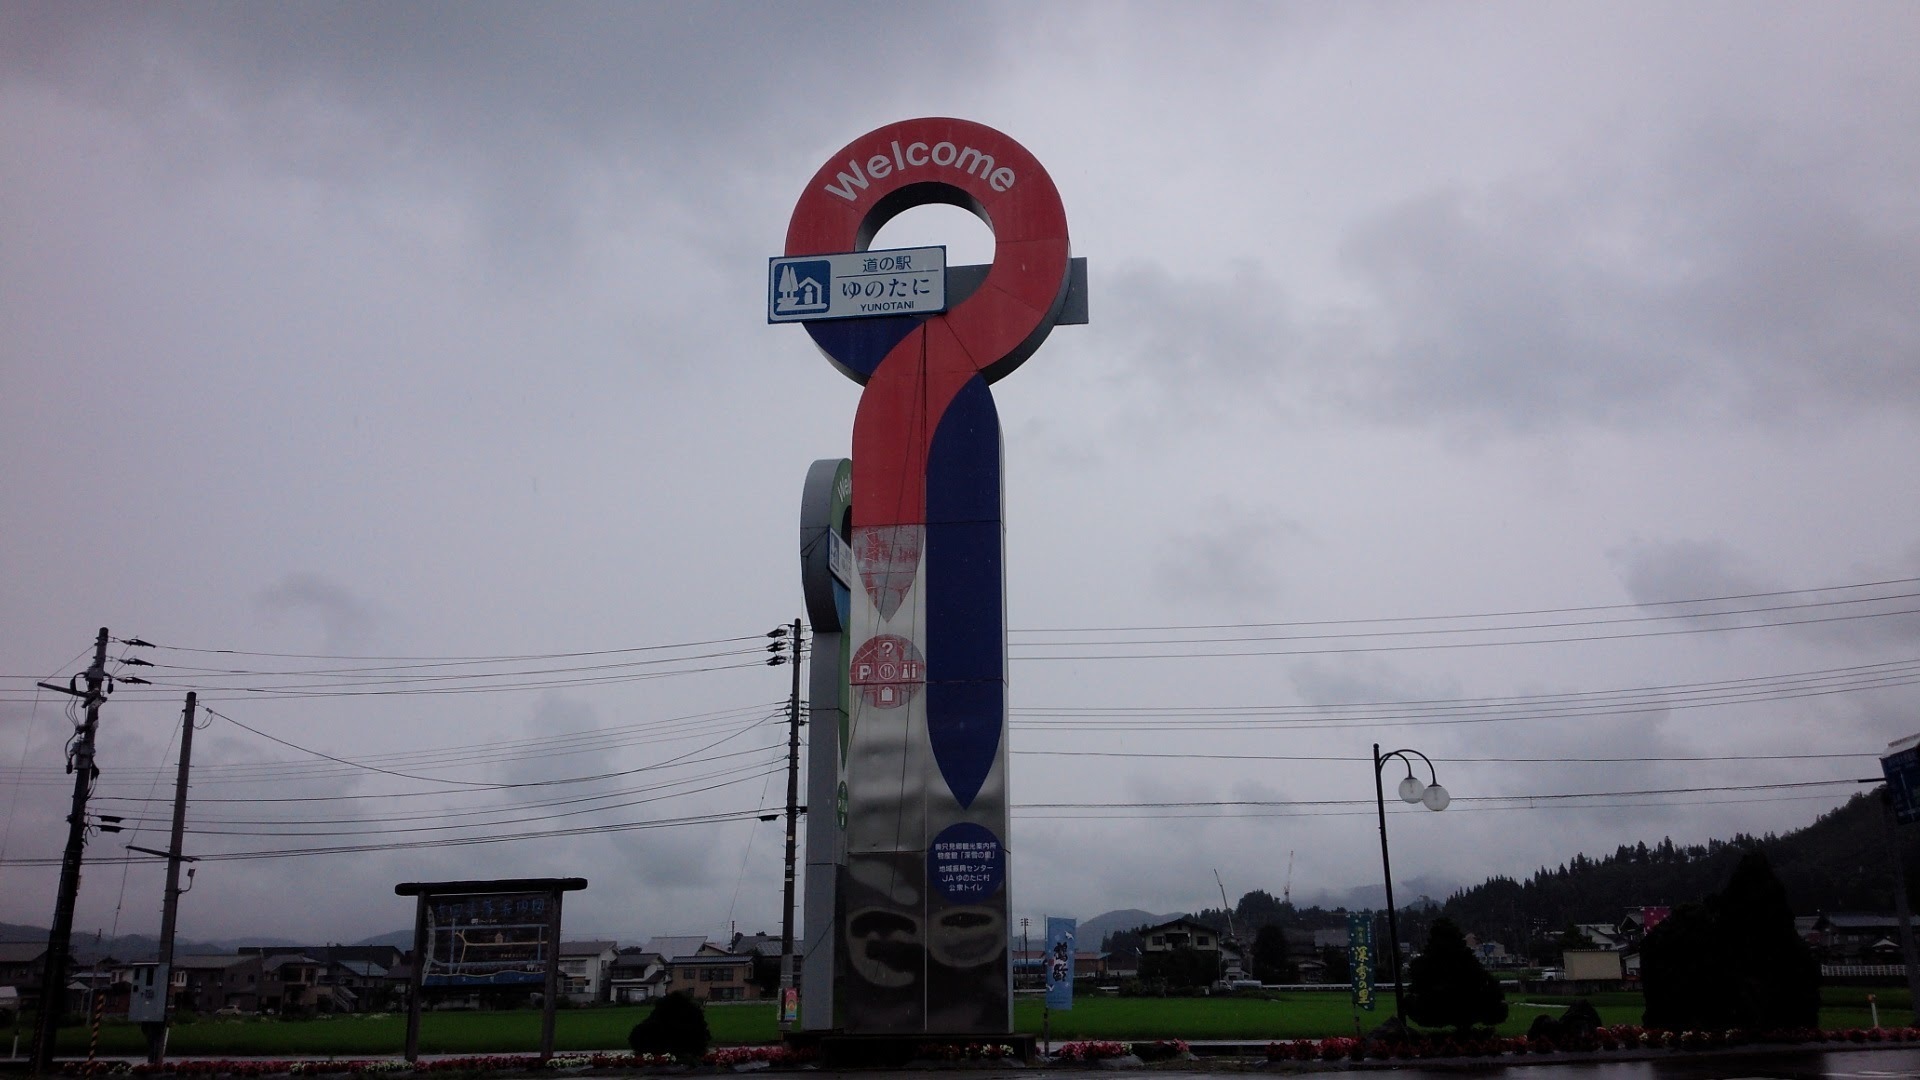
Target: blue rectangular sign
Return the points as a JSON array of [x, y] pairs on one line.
[[1058, 961], [1902, 770]]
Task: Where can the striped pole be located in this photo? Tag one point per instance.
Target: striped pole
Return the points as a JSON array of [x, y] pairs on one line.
[[99, 1014]]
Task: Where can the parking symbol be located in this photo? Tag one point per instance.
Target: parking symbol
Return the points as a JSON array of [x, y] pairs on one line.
[[802, 287]]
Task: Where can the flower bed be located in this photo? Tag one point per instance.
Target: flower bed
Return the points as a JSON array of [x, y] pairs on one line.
[[973, 1051], [1091, 1050], [1618, 1037], [1160, 1049], [778, 1056]]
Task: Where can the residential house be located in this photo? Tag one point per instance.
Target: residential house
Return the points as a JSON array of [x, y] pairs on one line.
[[1593, 965], [1190, 934], [1179, 934], [297, 984], [585, 967], [1855, 938], [366, 980], [206, 984], [21, 965], [677, 945], [384, 955], [637, 975], [766, 950], [1606, 937], [713, 974]]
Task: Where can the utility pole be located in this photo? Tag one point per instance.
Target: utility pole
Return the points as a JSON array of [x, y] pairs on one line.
[[156, 1032], [793, 825], [1909, 954], [53, 978]]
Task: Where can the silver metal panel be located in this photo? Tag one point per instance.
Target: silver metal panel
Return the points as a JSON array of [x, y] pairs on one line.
[[963, 280]]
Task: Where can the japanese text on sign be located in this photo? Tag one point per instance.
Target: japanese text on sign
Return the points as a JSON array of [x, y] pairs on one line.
[[859, 284]]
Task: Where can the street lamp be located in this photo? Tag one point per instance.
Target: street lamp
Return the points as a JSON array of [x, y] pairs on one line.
[[1430, 795]]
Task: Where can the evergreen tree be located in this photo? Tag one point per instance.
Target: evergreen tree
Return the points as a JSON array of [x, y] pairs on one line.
[[1776, 979], [1682, 971], [1447, 987], [1270, 963], [1733, 962], [677, 1025]]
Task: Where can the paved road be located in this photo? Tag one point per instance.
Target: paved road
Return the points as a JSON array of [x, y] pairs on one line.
[[1877, 1064]]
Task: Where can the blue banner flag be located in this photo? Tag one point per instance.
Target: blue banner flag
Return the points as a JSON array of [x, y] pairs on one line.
[[1058, 961], [1360, 958]]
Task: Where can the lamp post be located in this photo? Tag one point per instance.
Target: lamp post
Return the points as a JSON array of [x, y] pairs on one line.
[[1433, 797]]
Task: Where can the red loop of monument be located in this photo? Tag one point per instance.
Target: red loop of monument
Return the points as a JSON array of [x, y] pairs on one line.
[[915, 163]]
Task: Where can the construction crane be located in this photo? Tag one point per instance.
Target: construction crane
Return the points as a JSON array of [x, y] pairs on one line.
[[1226, 906]]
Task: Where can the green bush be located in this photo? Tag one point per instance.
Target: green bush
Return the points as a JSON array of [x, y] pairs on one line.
[[677, 1026]]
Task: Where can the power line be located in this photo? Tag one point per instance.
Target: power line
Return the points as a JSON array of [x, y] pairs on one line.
[[1432, 646], [1525, 613], [1451, 759]]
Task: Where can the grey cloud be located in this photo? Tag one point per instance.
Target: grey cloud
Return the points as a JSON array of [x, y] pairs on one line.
[[1226, 562], [1658, 573], [528, 117], [347, 622], [1725, 278], [1785, 281]]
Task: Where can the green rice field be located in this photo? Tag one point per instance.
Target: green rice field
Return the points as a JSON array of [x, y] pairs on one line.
[[1281, 1016]]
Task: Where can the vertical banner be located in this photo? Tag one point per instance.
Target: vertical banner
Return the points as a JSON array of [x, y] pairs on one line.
[[1059, 962], [1360, 957]]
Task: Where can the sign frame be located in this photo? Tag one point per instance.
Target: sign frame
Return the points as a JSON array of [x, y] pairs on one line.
[[863, 284], [427, 893]]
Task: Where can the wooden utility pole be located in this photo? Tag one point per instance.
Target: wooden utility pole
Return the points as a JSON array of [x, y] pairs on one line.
[[53, 977], [793, 825], [156, 1032]]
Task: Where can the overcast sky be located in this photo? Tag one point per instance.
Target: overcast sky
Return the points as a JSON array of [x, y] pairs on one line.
[[1439, 355]]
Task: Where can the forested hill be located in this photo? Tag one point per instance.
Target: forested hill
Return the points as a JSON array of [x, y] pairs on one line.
[[1838, 863]]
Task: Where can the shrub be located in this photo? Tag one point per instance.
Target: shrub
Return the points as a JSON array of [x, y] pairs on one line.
[[676, 1026]]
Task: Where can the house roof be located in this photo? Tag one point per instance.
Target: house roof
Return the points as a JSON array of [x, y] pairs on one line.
[[280, 960], [764, 944], [675, 947], [710, 959], [220, 960], [1179, 924], [366, 969], [587, 948], [1856, 920], [21, 952]]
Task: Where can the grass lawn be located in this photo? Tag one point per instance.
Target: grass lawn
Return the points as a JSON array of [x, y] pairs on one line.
[[1286, 1016]]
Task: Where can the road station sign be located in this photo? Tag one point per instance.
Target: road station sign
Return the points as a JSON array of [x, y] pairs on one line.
[[857, 285]]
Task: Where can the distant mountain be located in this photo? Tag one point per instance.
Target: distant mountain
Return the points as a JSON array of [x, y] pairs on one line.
[[1407, 893], [1838, 863], [1095, 930], [89, 946], [18, 932], [399, 939]]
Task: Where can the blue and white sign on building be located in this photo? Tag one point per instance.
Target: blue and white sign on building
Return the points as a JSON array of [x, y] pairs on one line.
[[859, 284], [1902, 768]]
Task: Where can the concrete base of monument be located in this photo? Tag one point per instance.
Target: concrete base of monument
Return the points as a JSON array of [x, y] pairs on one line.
[[839, 1050]]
